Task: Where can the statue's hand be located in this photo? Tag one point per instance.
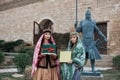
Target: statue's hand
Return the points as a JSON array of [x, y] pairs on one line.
[[76, 22]]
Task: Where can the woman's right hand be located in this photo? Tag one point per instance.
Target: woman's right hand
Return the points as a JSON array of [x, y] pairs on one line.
[[54, 56], [41, 55]]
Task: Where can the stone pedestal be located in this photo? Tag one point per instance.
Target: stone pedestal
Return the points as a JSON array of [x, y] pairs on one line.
[[91, 73], [92, 76]]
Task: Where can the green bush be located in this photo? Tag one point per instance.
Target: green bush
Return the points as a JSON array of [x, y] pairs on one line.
[[26, 48], [9, 46], [30, 53], [1, 41], [116, 61], [19, 42], [22, 60], [1, 57]]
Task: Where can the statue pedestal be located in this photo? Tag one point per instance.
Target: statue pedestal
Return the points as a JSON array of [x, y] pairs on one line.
[[92, 76], [91, 73]]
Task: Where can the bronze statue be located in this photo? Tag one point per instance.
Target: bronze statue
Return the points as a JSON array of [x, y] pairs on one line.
[[88, 27]]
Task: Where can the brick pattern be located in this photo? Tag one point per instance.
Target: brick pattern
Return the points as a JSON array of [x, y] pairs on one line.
[[9, 4], [17, 21]]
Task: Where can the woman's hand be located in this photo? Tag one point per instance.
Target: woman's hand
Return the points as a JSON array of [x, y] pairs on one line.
[[41, 55], [70, 62], [54, 56]]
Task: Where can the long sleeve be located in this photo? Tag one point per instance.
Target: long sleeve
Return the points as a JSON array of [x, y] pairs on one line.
[[80, 58]]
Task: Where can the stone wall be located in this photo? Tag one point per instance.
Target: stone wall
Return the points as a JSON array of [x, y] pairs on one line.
[[17, 22], [9, 4]]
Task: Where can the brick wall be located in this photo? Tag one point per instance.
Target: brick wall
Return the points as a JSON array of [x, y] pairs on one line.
[[17, 22]]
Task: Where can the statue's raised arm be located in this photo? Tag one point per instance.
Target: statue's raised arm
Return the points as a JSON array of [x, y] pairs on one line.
[[100, 33]]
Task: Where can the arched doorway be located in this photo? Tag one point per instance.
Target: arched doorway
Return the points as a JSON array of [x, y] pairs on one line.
[[39, 27]]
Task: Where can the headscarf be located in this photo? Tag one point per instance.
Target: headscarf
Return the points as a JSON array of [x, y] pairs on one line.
[[79, 58], [79, 42]]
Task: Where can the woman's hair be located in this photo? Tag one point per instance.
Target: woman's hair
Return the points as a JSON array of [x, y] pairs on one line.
[[43, 41], [48, 41]]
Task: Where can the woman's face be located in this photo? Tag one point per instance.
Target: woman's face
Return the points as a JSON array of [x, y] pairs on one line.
[[47, 35], [73, 39]]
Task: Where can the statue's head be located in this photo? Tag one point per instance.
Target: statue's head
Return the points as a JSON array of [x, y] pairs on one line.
[[88, 13]]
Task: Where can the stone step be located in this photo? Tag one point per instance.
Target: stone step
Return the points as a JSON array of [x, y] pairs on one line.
[[92, 77], [106, 61], [88, 69], [9, 70], [8, 61], [10, 66]]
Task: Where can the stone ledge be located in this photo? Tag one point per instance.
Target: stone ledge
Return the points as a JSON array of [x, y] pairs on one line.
[[92, 77]]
